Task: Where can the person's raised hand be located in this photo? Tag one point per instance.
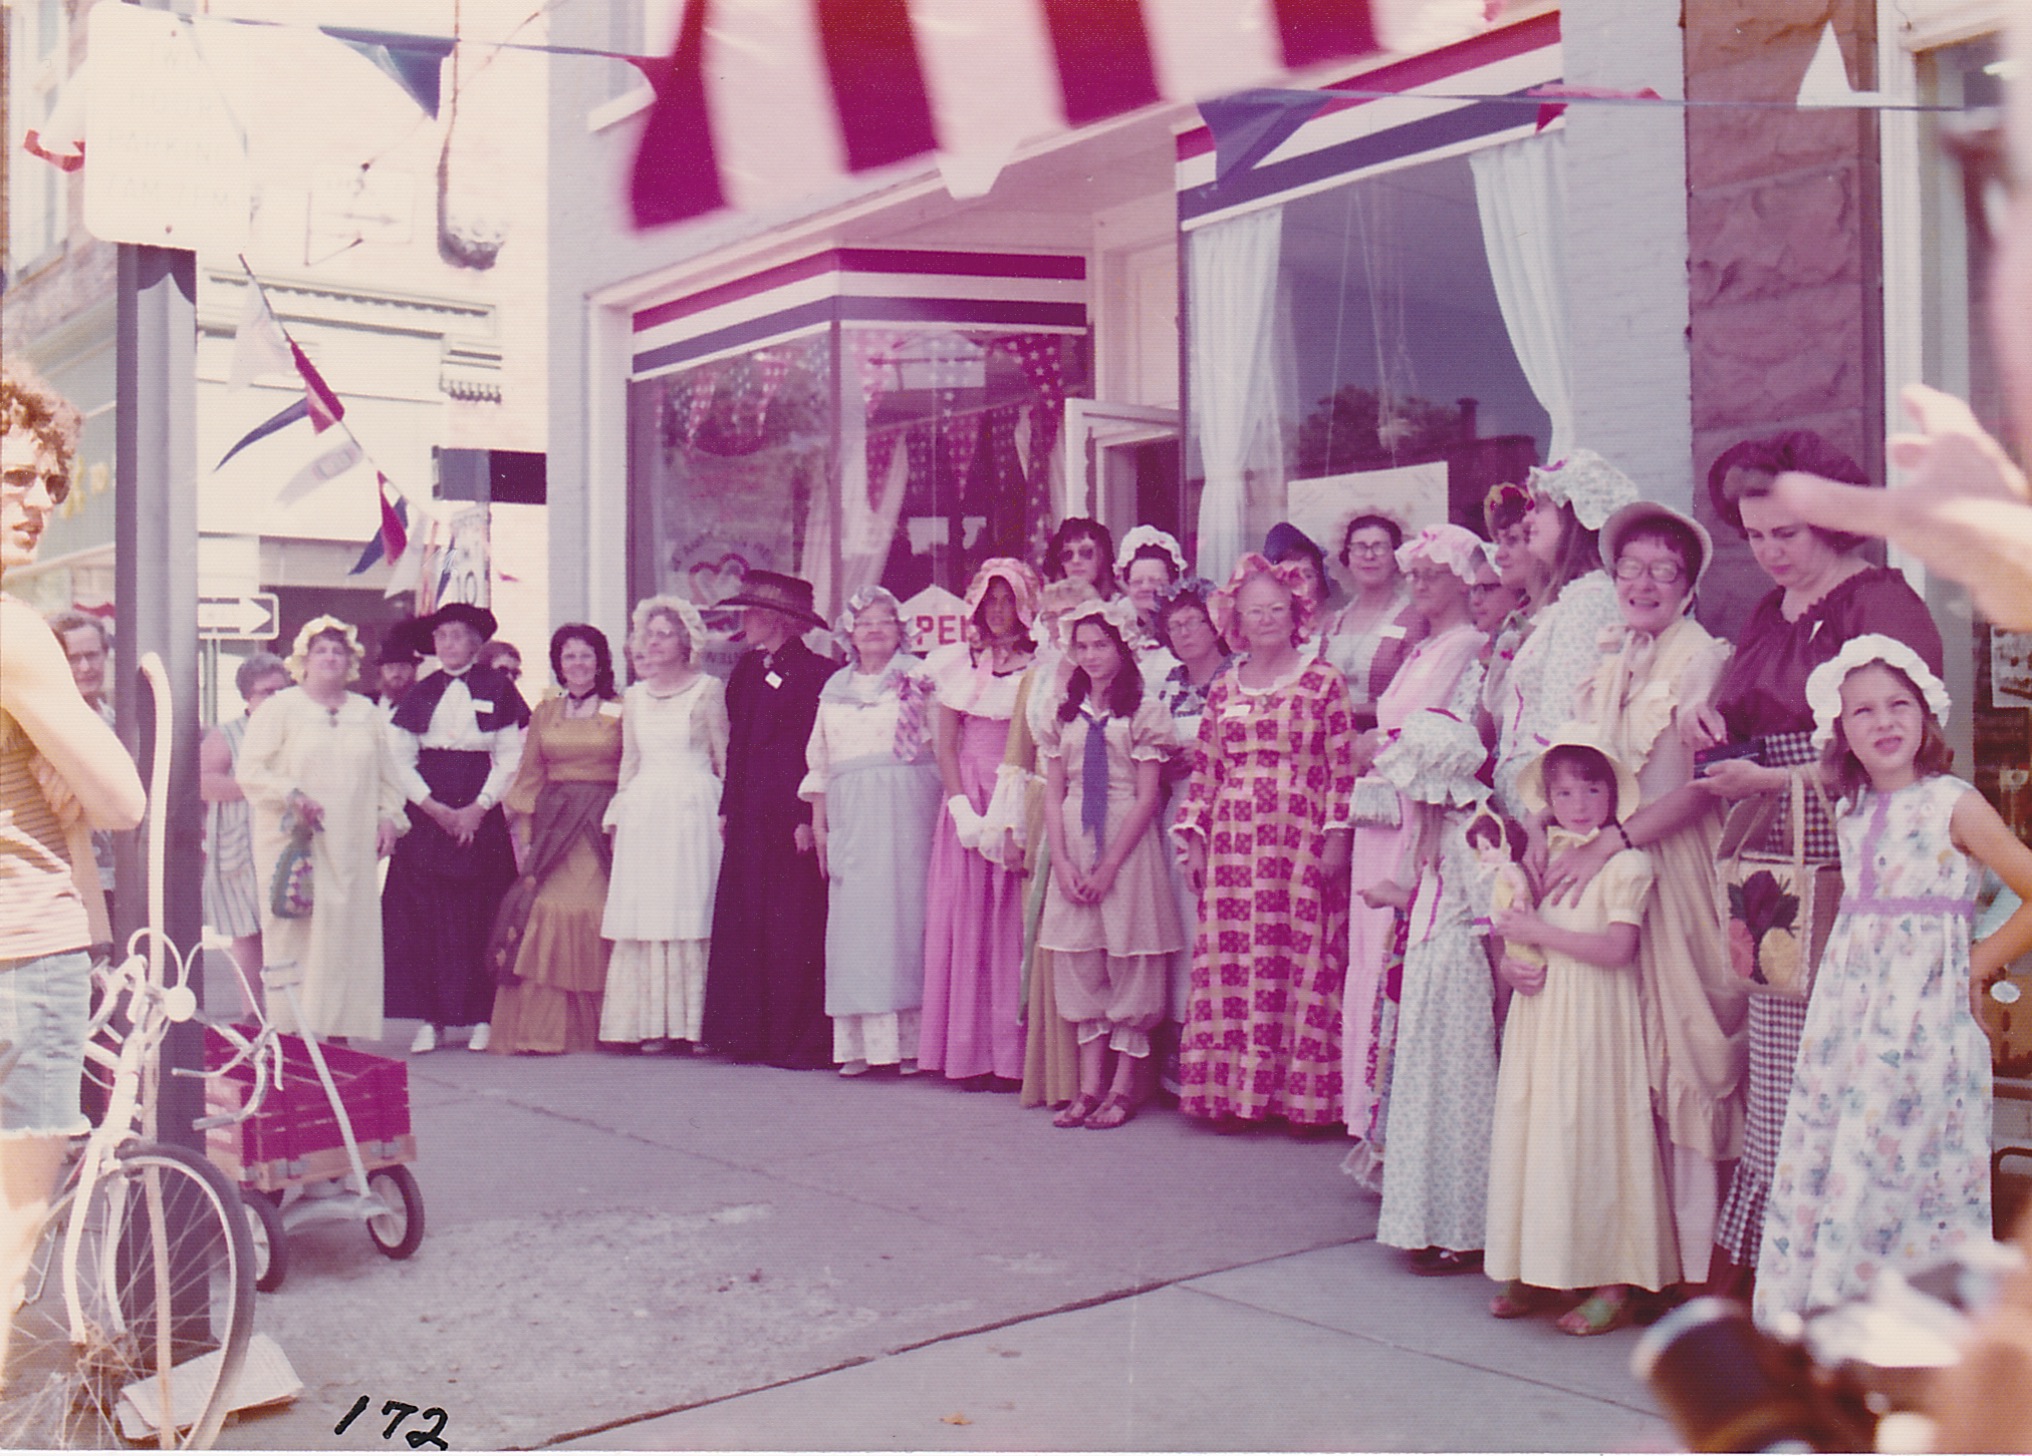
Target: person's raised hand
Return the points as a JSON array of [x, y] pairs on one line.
[[1964, 509]]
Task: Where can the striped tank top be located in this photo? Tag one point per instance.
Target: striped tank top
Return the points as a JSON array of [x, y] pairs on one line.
[[41, 911]]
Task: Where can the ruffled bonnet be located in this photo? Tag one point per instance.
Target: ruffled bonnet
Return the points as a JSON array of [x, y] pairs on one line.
[[1434, 760], [1824, 684], [1584, 480]]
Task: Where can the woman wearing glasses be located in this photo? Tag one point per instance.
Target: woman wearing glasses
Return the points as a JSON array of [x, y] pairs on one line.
[[1369, 638], [1640, 698]]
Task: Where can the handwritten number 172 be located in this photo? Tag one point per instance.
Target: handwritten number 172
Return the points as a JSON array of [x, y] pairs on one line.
[[417, 1439]]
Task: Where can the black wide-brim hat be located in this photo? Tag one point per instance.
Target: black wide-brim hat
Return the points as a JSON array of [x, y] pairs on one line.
[[478, 618], [404, 641], [776, 592]]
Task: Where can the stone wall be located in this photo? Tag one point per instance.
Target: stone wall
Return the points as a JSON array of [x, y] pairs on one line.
[[1785, 277]]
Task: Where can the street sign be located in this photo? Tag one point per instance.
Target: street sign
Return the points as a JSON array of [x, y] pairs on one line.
[[255, 617]]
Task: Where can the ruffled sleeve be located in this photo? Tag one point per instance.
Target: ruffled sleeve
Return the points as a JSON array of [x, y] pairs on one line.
[[1625, 884], [1152, 738], [817, 761], [1007, 801]]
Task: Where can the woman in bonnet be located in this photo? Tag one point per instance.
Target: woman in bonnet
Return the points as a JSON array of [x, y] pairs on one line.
[[873, 785]]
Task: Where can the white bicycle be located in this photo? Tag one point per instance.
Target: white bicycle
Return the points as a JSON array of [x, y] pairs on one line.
[[140, 1300]]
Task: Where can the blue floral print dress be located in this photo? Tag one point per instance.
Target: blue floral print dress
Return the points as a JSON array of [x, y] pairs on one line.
[[1884, 1158]]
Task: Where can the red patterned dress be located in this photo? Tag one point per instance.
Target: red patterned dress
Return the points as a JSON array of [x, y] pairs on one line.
[[1272, 773]]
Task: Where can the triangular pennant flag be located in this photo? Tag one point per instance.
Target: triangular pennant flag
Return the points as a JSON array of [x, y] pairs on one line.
[[1249, 125], [60, 140], [289, 414], [321, 471], [393, 538], [413, 62], [325, 409], [259, 344]]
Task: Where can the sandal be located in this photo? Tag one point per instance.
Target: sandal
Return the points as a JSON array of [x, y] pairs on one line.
[[1598, 1314], [1519, 1299], [1077, 1111], [1113, 1112]]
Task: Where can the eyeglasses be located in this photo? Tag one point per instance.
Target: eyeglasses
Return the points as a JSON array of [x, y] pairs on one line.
[[1665, 573], [1484, 588], [1976, 142], [1430, 574], [55, 482], [1368, 548]]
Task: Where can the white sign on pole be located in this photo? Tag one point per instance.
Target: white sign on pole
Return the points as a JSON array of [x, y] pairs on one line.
[[254, 617], [166, 165]]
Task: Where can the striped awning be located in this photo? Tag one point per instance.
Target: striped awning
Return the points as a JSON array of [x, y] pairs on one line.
[[766, 101]]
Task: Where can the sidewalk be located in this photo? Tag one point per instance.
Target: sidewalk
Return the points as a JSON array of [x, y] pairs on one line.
[[675, 1253]]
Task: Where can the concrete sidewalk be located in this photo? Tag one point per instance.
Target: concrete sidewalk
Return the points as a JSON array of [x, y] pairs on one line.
[[681, 1253]]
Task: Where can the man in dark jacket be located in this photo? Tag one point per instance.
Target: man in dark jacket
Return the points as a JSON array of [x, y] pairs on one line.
[[765, 977]]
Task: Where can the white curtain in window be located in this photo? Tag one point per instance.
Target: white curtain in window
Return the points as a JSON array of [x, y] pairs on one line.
[[1521, 191], [1234, 374]]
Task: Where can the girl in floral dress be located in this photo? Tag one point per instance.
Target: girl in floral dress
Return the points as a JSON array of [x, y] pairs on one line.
[[1265, 834], [1883, 1162]]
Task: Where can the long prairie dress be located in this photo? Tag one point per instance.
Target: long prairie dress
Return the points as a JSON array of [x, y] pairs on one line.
[[1443, 1073], [1540, 690], [871, 758], [1440, 672], [1272, 773], [342, 759], [232, 886], [1695, 1005], [665, 817], [1883, 1162], [1577, 1195], [565, 782], [973, 926]]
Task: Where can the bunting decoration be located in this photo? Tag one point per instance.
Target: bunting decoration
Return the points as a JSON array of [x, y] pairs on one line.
[[297, 409], [321, 471], [392, 540], [1250, 125], [413, 62], [259, 344], [325, 409]]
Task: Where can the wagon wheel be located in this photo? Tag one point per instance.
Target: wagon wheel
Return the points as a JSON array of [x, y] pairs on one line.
[[396, 1233], [271, 1243]]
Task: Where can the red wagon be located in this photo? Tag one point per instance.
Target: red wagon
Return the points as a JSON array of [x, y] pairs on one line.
[[299, 1154]]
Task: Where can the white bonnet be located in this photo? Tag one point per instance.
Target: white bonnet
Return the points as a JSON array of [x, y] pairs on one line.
[[1454, 547], [1824, 684], [1584, 480], [1141, 536]]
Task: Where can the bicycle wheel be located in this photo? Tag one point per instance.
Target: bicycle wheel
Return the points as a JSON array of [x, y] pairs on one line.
[[165, 1233]]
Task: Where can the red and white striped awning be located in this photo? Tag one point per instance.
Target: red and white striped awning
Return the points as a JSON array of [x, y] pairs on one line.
[[767, 101]]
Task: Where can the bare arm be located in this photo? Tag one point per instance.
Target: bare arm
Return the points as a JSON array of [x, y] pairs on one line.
[[40, 695], [1979, 831], [216, 784]]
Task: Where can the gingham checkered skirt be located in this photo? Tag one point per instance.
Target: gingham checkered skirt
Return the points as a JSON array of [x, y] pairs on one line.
[[1776, 1025], [1789, 750]]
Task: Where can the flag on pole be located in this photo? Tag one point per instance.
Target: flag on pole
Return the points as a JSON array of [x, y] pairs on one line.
[[259, 344], [325, 409]]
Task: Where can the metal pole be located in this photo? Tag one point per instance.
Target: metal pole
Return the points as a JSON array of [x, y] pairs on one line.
[[156, 592]]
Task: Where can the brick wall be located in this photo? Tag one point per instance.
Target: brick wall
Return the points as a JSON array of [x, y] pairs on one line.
[[1785, 271]]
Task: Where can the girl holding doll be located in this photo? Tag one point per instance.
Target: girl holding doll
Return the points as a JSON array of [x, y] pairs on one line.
[[1883, 1162], [1577, 1195], [1443, 1073], [1110, 920]]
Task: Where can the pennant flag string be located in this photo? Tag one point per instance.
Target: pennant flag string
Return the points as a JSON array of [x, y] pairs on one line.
[[297, 409]]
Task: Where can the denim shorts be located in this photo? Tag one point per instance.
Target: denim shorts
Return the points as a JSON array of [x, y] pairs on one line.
[[45, 1005]]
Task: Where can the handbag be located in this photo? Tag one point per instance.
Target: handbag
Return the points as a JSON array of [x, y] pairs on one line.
[[291, 889], [1781, 907]]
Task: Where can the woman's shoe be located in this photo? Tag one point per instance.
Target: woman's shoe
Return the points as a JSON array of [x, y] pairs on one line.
[[1447, 1261], [854, 1068], [1077, 1111], [654, 1045], [424, 1041], [1519, 1299], [1112, 1113], [1598, 1314]]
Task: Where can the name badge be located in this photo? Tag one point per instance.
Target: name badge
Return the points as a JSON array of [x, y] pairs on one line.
[[1234, 712], [1392, 633], [609, 710], [482, 705], [773, 680]]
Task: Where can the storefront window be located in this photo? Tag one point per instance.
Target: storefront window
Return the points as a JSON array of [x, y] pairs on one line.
[[1383, 348], [935, 451]]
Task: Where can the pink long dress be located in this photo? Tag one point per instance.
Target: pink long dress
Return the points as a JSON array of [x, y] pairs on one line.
[[1441, 672], [973, 927]]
